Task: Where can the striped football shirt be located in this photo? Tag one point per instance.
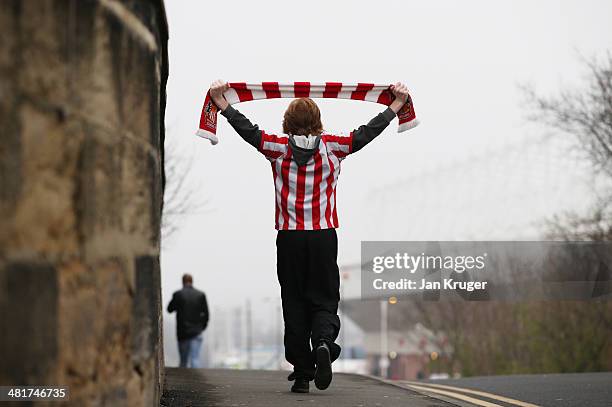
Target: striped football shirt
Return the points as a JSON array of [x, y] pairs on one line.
[[305, 189]]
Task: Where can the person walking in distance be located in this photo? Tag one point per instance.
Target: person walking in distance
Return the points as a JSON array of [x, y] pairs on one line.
[[306, 164], [191, 320]]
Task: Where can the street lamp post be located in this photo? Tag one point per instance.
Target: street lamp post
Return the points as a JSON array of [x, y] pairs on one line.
[[249, 334], [384, 340]]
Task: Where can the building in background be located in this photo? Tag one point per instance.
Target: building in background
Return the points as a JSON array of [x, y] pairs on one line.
[[413, 350]]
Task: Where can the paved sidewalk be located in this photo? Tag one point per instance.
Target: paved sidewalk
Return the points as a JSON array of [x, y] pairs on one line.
[[253, 388]]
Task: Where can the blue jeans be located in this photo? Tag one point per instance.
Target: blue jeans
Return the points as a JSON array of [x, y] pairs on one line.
[[189, 350]]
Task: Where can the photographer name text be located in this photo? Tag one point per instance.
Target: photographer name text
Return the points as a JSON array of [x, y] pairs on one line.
[[445, 284]]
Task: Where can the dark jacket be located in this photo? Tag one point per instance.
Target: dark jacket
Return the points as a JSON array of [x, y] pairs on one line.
[[191, 312]]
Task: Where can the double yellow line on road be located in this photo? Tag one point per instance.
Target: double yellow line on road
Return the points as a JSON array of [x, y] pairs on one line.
[[460, 393]]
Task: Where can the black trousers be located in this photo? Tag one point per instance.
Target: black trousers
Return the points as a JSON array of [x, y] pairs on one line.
[[306, 262]]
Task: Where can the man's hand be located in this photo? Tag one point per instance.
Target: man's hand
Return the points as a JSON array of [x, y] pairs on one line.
[[400, 91], [216, 93]]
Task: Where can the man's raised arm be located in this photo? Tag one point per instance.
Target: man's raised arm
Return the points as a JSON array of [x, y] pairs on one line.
[[367, 132], [248, 131]]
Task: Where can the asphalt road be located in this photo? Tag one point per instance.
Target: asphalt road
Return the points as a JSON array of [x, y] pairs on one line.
[[253, 388], [553, 390]]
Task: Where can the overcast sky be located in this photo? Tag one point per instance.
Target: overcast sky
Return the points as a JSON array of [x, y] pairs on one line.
[[462, 61]]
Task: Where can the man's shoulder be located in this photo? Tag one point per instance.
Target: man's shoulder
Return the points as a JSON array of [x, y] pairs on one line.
[[183, 291], [189, 293], [340, 138], [199, 292], [332, 136], [278, 140]]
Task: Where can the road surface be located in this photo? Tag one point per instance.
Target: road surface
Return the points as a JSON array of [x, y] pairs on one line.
[[553, 390], [254, 388]]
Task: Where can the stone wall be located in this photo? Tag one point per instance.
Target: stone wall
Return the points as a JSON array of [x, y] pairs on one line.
[[82, 97]]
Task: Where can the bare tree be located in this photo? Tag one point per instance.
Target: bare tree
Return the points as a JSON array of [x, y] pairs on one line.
[[180, 197], [595, 226], [584, 113]]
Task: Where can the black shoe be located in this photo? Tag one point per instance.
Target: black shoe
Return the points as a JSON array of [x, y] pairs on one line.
[[291, 377], [323, 374], [300, 386]]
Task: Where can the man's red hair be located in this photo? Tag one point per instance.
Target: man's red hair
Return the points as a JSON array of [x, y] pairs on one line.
[[303, 118]]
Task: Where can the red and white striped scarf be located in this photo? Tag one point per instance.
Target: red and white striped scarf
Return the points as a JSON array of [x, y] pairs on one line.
[[243, 92]]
